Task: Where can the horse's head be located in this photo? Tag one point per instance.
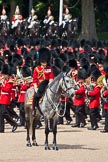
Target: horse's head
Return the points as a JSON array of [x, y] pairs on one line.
[[66, 83]]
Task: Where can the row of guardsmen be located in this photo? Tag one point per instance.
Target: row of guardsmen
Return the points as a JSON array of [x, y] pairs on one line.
[[88, 87]]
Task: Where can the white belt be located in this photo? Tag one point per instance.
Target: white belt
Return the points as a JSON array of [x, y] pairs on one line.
[[5, 93], [14, 89], [23, 92]]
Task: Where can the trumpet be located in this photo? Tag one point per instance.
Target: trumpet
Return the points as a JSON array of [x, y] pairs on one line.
[[23, 80]]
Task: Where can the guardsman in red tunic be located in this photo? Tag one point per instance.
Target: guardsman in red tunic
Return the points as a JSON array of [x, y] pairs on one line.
[[94, 99], [5, 98], [79, 99], [42, 75], [105, 95], [21, 98], [17, 18]]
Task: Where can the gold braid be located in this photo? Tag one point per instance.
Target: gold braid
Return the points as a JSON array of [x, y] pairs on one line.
[[40, 73]]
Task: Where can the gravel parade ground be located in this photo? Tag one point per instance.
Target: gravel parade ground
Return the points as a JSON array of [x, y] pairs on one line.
[[75, 145]]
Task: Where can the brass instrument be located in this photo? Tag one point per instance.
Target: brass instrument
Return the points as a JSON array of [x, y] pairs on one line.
[[100, 82], [24, 79]]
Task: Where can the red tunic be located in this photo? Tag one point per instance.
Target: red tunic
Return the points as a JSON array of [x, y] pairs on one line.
[[106, 103], [16, 17], [79, 101], [40, 74], [6, 93], [23, 89], [95, 103]]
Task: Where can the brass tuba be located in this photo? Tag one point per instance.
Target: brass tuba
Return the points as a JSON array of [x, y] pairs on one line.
[[100, 82]]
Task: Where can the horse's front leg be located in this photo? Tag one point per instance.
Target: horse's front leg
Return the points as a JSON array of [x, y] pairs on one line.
[[55, 147], [46, 135], [33, 133], [28, 133]]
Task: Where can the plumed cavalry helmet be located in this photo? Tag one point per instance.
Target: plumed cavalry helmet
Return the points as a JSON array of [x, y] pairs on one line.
[[3, 11], [66, 11], [44, 55], [17, 11], [49, 11]]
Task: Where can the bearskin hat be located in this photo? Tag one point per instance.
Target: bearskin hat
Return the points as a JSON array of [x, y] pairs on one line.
[[26, 71], [73, 63], [7, 54], [44, 55], [66, 68], [12, 69], [17, 60], [58, 63], [29, 61], [63, 57], [95, 74], [105, 65], [64, 43], [5, 69], [82, 73]]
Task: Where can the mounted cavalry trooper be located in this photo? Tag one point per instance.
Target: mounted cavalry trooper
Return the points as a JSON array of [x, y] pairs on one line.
[[3, 17], [42, 75], [17, 18], [67, 18], [32, 19], [49, 19]]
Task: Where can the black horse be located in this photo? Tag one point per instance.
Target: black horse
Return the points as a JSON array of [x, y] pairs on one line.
[[4, 27]]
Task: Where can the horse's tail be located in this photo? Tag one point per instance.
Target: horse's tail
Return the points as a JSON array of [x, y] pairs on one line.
[[29, 118]]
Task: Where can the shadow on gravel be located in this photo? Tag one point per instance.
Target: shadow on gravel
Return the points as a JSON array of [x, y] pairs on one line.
[[69, 131], [83, 147]]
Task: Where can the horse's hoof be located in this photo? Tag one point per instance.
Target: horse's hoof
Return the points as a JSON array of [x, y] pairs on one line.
[[47, 148], [28, 145], [55, 148], [35, 144]]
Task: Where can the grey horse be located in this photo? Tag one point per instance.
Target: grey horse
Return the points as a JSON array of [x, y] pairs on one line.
[[49, 107]]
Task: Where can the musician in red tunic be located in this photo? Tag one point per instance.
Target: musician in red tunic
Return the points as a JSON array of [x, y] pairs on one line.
[[42, 74], [5, 98], [94, 100], [17, 18], [79, 99]]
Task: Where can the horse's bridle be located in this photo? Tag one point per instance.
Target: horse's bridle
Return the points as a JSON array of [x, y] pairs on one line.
[[55, 107]]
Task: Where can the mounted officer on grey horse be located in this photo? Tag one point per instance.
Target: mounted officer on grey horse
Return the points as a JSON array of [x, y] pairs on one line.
[[45, 83]]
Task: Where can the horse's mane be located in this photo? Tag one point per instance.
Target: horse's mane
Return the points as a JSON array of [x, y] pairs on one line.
[[56, 79]]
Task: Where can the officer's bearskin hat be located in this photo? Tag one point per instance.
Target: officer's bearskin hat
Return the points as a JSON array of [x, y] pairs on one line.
[[26, 71], [73, 63], [82, 73], [17, 60], [95, 74], [5, 69], [44, 55], [29, 61], [105, 65]]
